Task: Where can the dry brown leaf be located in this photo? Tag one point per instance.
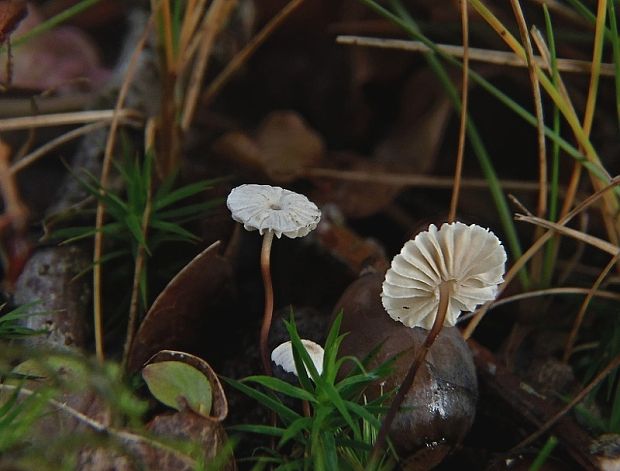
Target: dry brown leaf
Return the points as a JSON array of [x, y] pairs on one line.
[[354, 199], [186, 309], [12, 12], [284, 145], [187, 425], [414, 140], [55, 58]]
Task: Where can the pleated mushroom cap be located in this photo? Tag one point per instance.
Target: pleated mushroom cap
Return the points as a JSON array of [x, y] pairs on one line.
[[282, 356], [271, 208], [469, 257]]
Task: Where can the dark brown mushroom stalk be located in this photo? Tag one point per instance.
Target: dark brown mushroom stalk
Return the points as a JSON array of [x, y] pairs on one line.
[[436, 276], [272, 211]]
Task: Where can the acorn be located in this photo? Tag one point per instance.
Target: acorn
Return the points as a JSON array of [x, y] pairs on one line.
[[440, 406]]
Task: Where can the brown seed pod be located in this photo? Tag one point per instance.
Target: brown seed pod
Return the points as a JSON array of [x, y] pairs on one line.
[[439, 408]]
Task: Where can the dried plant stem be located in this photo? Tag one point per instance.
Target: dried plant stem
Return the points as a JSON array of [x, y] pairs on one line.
[[134, 305], [612, 365], [442, 309], [420, 181], [105, 170], [540, 128], [102, 427], [36, 154], [600, 244], [15, 211], [570, 342], [458, 171], [476, 54], [62, 119], [242, 56], [265, 268], [510, 275], [217, 16]]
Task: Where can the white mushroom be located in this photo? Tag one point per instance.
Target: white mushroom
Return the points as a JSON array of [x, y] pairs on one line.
[[436, 276], [282, 356], [468, 259], [271, 210]]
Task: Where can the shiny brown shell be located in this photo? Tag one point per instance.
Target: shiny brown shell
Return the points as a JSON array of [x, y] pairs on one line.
[[439, 408]]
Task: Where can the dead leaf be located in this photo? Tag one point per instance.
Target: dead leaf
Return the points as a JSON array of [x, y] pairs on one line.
[[186, 425], [356, 252], [187, 309], [354, 199], [219, 404], [55, 58], [283, 147], [12, 12], [414, 140]]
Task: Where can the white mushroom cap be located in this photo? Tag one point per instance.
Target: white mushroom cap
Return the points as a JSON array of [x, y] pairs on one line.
[[282, 356], [271, 208], [470, 258]]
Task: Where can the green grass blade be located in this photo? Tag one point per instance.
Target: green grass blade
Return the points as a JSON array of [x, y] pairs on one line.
[[52, 22], [295, 430], [505, 215], [284, 412], [552, 245], [280, 386], [259, 429], [615, 50], [163, 201], [544, 454]]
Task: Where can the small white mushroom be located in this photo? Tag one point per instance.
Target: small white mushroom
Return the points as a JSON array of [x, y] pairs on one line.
[[282, 356], [468, 259], [271, 210], [436, 276]]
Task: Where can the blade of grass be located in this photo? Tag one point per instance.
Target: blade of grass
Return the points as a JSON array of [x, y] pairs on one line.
[[553, 245], [544, 453], [50, 23], [615, 48], [572, 338], [581, 132]]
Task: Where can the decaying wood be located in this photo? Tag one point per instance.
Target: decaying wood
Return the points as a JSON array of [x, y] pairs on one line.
[[532, 407]]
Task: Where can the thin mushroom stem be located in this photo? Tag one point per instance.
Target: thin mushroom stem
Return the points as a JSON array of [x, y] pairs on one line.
[[442, 309], [265, 257]]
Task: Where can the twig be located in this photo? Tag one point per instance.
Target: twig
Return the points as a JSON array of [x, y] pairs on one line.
[[600, 244], [476, 54], [527, 404], [242, 56], [415, 180], [62, 119], [36, 154], [546, 292], [613, 364]]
